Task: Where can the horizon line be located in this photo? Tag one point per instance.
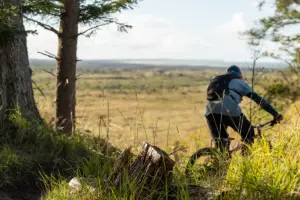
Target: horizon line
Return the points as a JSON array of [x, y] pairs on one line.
[[158, 59]]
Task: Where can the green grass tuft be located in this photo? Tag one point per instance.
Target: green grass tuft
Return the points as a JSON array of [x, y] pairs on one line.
[[30, 148], [268, 173]]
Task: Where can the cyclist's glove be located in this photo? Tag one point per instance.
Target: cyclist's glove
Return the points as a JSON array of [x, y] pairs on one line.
[[277, 119]]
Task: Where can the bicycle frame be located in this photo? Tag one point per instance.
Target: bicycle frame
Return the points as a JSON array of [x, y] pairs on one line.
[[210, 151], [264, 124], [258, 135]]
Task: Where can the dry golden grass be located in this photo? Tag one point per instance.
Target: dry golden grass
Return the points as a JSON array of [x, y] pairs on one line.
[[164, 108]]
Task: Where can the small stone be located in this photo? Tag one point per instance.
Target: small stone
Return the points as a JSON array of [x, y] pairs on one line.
[[75, 183]]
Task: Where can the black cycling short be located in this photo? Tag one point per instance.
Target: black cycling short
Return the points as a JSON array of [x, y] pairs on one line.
[[218, 125]]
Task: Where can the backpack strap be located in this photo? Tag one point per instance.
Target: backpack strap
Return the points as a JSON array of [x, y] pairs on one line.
[[219, 86], [227, 91]]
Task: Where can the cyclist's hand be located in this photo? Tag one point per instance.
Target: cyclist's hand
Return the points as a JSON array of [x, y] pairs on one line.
[[277, 119]]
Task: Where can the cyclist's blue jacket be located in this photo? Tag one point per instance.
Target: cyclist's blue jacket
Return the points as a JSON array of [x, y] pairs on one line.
[[229, 104]]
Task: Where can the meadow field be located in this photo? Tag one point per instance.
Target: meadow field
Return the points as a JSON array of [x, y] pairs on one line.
[[163, 106], [128, 106]]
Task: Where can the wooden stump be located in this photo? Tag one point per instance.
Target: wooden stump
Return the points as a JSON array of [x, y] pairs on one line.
[[151, 174], [150, 171], [152, 167], [121, 166]]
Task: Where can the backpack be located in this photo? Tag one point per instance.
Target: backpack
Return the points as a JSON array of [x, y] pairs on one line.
[[218, 87]]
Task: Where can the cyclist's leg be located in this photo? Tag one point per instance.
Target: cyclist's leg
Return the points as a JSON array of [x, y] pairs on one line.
[[243, 126], [218, 130]]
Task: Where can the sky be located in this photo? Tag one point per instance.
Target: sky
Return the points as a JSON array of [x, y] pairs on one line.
[[172, 29]]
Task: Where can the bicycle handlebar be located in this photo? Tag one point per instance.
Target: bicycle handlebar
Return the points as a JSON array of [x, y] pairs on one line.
[[272, 122]]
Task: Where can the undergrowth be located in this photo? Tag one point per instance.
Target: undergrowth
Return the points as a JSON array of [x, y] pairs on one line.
[[29, 149], [35, 157], [268, 173]]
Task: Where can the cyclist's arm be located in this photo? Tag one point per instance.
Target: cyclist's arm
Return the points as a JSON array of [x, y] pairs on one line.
[[245, 90], [262, 103]]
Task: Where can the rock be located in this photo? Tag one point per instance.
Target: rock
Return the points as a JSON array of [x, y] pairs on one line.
[[76, 185]]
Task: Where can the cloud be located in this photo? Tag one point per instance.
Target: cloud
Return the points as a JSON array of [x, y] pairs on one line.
[[226, 40], [235, 25], [253, 3], [151, 37]]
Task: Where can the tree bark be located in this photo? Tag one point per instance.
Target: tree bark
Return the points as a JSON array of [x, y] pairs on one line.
[[16, 91], [66, 66]]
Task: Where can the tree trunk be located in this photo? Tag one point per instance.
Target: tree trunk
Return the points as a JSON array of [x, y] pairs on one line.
[[66, 66], [16, 91]]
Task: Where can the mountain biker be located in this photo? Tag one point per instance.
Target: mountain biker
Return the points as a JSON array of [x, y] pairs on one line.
[[224, 94]]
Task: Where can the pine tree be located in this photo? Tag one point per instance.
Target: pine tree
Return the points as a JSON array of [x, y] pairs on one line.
[[69, 14]]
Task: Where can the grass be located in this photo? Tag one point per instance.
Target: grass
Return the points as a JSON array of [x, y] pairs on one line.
[[128, 107], [265, 174], [268, 173], [137, 105], [28, 149]]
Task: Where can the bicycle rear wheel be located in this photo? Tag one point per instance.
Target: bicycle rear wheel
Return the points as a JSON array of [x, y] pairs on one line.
[[205, 158]]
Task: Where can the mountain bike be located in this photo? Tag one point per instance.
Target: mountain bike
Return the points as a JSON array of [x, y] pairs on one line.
[[210, 156]]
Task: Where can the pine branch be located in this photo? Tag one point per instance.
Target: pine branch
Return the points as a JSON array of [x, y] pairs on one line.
[[39, 89], [91, 29], [77, 77], [50, 55], [45, 26], [50, 73]]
